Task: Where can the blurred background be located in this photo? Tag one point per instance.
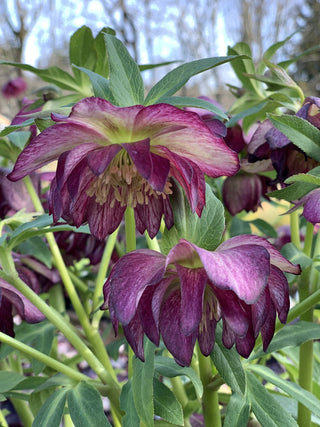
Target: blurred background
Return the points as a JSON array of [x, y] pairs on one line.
[[37, 32]]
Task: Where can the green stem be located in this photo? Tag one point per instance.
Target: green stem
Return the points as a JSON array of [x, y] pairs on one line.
[[47, 360], [210, 398], [180, 393], [23, 410], [131, 245], [308, 239], [91, 333], [3, 422], [102, 273], [294, 228], [306, 349]]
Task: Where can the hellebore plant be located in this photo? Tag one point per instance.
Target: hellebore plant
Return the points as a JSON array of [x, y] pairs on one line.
[[124, 235]]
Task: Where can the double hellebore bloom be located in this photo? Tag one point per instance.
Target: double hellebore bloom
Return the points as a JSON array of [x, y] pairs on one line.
[[182, 296], [112, 157]]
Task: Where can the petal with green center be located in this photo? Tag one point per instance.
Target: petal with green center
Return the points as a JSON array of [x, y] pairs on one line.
[[146, 268], [114, 123]]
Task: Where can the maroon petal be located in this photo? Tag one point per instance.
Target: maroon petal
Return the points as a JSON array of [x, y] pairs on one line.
[[275, 257], [40, 152], [160, 172], [146, 316], [146, 268], [193, 282], [6, 318], [279, 292], [99, 159], [158, 296], [244, 269], [267, 330], [259, 311], [140, 154], [148, 216], [23, 306], [179, 345], [134, 334], [207, 331], [311, 210], [232, 312], [245, 345]]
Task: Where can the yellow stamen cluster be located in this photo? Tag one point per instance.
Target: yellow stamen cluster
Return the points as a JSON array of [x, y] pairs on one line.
[[128, 186]]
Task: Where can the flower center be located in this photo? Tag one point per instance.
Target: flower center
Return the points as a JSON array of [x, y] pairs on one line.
[[211, 309], [128, 186]]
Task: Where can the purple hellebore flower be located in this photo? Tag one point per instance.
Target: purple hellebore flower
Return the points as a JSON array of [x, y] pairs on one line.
[[311, 206], [183, 295], [112, 157], [11, 297], [14, 87]]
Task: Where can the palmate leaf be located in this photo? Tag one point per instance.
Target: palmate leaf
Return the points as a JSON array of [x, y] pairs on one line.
[[178, 77]]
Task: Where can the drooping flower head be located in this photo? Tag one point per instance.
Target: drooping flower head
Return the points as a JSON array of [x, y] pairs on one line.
[[14, 88], [182, 296], [112, 157]]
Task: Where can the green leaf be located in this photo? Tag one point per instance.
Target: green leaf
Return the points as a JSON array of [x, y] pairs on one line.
[[228, 364], [130, 419], [237, 411], [178, 77], [265, 406], [300, 132], [36, 247], [205, 232], [126, 82], [238, 226], [167, 367], [50, 414], [188, 101], [56, 380], [8, 380], [268, 54], [53, 75], [301, 395], [102, 63], [296, 256], [19, 139], [244, 66], [264, 227], [100, 85], [81, 48], [285, 64], [245, 113], [166, 404], [293, 192], [85, 407], [142, 384], [304, 177], [290, 336], [9, 129]]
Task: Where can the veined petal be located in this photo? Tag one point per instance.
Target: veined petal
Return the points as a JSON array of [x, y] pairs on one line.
[[146, 268], [245, 345], [275, 257], [148, 323], [179, 345], [148, 216], [259, 311], [193, 282], [134, 334], [24, 307], [48, 146], [104, 219], [267, 330], [279, 292], [244, 269], [99, 159], [140, 155]]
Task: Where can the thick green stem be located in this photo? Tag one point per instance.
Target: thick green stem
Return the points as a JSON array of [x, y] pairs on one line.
[[307, 285], [210, 398], [131, 244], [47, 360], [295, 229], [23, 410]]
